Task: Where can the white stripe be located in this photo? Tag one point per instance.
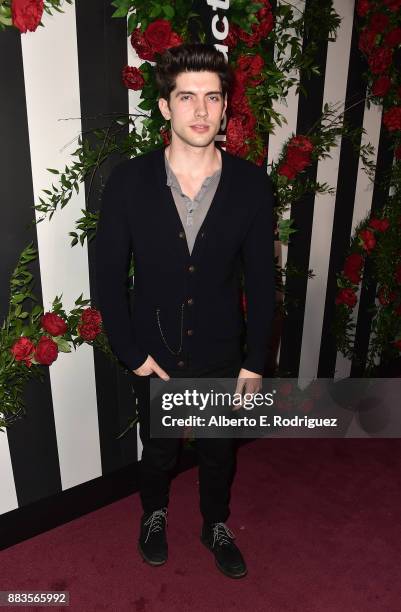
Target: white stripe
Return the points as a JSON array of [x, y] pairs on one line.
[[52, 94], [338, 54], [8, 497], [363, 202]]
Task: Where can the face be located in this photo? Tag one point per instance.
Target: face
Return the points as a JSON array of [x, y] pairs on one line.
[[196, 108]]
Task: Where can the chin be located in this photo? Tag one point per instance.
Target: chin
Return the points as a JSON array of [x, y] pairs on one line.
[[200, 140]]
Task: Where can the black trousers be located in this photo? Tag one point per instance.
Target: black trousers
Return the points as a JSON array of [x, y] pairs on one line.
[[216, 456]]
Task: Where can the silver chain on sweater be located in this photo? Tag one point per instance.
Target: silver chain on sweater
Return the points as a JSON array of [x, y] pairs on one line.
[[161, 332]]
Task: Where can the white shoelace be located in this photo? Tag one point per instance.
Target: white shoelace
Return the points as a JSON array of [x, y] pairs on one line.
[[222, 533], [155, 521]]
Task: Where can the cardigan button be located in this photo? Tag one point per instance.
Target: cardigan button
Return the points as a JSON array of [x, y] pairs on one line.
[[182, 234], [181, 364], [190, 332], [191, 268], [190, 301]]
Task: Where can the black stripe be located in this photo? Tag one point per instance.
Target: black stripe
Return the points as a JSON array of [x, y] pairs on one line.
[[309, 111], [344, 204], [102, 54], [368, 289], [32, 440]]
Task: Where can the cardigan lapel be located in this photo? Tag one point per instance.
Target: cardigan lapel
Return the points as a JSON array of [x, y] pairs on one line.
[[170, 211]]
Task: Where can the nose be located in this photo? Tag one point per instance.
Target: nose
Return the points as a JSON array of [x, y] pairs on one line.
[[201, 109]]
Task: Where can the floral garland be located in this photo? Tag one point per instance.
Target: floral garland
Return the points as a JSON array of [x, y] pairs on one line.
[[260, 79], [378, 237], [31, 338], [26, 15]]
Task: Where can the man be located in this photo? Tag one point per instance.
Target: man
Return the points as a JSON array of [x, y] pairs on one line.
[[194, 217]]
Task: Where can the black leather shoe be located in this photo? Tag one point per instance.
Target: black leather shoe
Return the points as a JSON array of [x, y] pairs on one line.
[[152, 542], [218, 538]]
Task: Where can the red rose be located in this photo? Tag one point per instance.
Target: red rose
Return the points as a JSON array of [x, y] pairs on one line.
[[298, 156], [303, 143], [239, 103], [266, 22], [232, 37], [88, 331], [393, 5], [141, 45], [286, 170], [367, 40], [133, 78], [22, 350], [26, 14], [392, 118], [352, 267], [380, 59], [53, 324], [235, 137], [347, 297], [46, 350], [368, 239], [385, 296], [381, 86], [259, 30], [397, 152], [381, 225], [251, 66], [160, 36], [91, 315], [393, 38], [378, 22], [248, 124], [363, 7]]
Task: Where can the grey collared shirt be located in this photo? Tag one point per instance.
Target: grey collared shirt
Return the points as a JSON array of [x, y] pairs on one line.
[[192, 212]]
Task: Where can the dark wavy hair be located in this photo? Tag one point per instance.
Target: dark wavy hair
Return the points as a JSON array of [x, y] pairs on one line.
[[191, 57]]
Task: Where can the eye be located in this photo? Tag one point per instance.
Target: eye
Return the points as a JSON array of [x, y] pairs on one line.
[[215, 98], [185, 97]]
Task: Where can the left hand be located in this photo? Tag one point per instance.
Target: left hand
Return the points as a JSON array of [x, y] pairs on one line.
[[248, 383]]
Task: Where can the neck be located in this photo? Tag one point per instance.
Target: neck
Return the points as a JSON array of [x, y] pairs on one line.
[[193, 161]]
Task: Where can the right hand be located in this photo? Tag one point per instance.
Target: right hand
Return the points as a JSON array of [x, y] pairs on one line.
[[150, 366]]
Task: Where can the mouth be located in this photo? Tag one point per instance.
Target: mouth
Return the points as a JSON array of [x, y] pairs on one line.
[[200, 127]]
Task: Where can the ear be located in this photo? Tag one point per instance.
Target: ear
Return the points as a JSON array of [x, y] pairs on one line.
[[164, 109]]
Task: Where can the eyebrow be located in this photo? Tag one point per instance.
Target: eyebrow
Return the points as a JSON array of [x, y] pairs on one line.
[[180, 93]]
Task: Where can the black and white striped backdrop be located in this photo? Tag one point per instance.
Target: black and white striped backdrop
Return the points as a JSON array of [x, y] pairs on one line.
[[54, 82]]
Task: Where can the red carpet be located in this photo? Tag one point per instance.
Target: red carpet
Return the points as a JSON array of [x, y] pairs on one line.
[[318, 522]]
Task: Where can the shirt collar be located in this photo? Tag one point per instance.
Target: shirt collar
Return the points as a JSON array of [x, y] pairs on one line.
[[172, 180]]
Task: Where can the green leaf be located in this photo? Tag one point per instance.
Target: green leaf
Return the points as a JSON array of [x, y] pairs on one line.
[[169, 11], [132, 23], [156, 11], [63, 345]]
